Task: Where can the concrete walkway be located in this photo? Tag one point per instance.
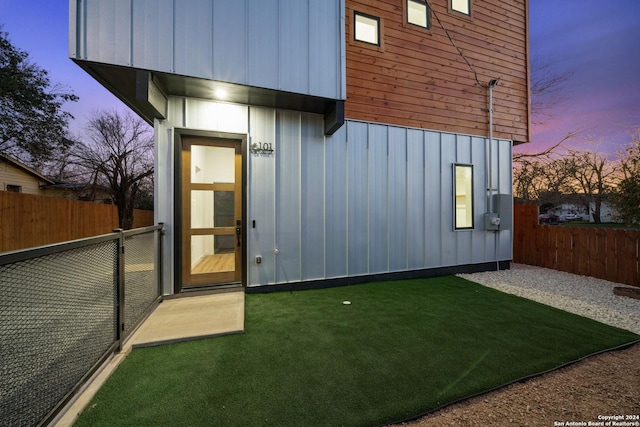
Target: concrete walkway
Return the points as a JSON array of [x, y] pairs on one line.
[[180, 318]]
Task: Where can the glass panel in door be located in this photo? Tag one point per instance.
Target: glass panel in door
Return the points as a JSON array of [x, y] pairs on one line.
[[212, 211]]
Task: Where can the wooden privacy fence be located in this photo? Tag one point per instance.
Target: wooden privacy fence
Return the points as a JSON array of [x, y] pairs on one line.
[[605, 253], [27, 220]]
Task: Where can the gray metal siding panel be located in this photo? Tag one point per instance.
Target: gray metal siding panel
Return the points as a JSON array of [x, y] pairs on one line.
[[398, 202], [448, 247], [153, 23], [288, 179], [313, 198], [377, 182], [369, 199], [357, 203], [262, 238], [336, 257], [108, 31], [193, 53], [326, 43], [293, 63], [432, 177], [230, 41], [263, 44], [416, 198], [479, 253]]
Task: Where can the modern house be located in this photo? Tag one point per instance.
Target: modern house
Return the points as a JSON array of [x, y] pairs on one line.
[[311, 142]]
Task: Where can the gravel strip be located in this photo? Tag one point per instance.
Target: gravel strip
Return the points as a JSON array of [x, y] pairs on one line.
[[582, 295]]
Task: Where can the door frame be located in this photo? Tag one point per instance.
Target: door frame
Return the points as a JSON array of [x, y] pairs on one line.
[[177, 203]]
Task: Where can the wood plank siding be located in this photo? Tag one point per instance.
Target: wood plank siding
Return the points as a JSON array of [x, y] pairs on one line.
[[417, 78]]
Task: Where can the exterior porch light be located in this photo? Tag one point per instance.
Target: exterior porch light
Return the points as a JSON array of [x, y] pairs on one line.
[[220, 94]]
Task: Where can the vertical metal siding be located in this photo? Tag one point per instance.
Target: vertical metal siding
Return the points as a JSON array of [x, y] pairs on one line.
[[108, 31], [312, 198], [416, 217], [432, 176], [369, 199], [263, 44], [478, 248], [294, 45], [448, 244], [153, 23], [290, 45], [357, 203], [287, 192], [230, 59], [378, 206], [261, 200], [398, 203], [326, 44], [336, 211], [193, 53]]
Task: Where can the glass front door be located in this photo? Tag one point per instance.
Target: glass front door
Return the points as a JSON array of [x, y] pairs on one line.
[[211, 211]]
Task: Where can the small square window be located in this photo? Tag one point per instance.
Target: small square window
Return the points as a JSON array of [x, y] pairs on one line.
[[367, 28], [14, 188], [462, 6], [418, 13], [463, 196]]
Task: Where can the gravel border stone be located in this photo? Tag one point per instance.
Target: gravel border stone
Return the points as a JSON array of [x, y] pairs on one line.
[[582, 295]]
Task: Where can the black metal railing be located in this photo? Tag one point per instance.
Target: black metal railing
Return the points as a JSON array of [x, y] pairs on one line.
[[64, 309]]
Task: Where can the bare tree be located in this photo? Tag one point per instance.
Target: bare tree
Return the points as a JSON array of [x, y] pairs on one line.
[[592, 178], [119, 156], [536, 176], [546, 89], [626, 196]]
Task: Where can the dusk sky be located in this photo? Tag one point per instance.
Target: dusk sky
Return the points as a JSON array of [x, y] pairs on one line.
[[598, 40]]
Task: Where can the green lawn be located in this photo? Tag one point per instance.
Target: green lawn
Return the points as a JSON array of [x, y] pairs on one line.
[[306, 359]]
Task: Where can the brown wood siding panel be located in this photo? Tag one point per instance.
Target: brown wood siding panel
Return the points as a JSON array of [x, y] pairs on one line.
[[416, 78]]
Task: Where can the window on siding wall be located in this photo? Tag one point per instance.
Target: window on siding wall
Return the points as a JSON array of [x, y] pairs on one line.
[[367, 28], [463, 196], [14, 188], [462, 6], [418, 13]]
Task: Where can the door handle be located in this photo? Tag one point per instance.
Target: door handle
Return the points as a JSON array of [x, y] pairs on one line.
[[238, 233]]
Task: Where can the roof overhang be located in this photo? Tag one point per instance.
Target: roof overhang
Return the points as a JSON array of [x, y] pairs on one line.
[[147, 93]]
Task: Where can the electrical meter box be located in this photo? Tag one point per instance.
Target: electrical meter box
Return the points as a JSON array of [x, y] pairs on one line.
[[502, 217]]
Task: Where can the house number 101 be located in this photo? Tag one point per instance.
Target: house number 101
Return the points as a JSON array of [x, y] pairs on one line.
[[262, 148]]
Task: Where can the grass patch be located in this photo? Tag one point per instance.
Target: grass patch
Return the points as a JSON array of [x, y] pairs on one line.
[[401, 348]]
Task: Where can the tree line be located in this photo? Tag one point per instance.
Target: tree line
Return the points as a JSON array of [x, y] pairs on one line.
[[115, 155], [553, 176]]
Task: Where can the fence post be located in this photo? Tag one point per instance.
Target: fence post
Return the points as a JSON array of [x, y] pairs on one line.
[[120, 280], [161, 234]]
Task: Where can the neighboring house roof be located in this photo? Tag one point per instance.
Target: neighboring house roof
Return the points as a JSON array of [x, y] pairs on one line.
[[18, 164]]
